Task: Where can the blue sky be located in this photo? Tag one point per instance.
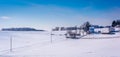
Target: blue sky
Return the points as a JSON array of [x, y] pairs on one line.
[[45, 14]]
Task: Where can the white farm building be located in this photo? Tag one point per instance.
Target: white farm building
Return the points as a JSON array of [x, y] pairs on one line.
[[104, 30]]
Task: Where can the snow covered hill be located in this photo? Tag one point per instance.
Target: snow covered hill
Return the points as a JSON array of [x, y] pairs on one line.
[[38, 44]]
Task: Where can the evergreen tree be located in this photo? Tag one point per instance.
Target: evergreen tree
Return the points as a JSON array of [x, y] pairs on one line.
[[118, 22], [87, 25], [114, 23]]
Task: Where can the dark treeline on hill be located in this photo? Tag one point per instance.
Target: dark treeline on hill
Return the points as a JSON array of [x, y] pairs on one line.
[[20, 29], [116, 23], [85, 26]]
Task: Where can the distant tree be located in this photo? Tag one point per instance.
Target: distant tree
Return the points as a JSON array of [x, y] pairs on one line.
[[87, 25], [118, 22], [114, 23]]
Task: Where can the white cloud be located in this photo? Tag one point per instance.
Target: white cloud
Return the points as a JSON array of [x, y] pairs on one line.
[[4, 17]]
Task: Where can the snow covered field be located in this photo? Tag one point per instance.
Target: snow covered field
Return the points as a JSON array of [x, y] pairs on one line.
[[38, 44]]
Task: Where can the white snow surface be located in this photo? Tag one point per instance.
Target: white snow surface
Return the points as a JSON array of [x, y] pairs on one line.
[[38, 44]]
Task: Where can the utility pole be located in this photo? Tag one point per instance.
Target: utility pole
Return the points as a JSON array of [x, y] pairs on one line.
[[75, 31], [11, 43], [51, 36]]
